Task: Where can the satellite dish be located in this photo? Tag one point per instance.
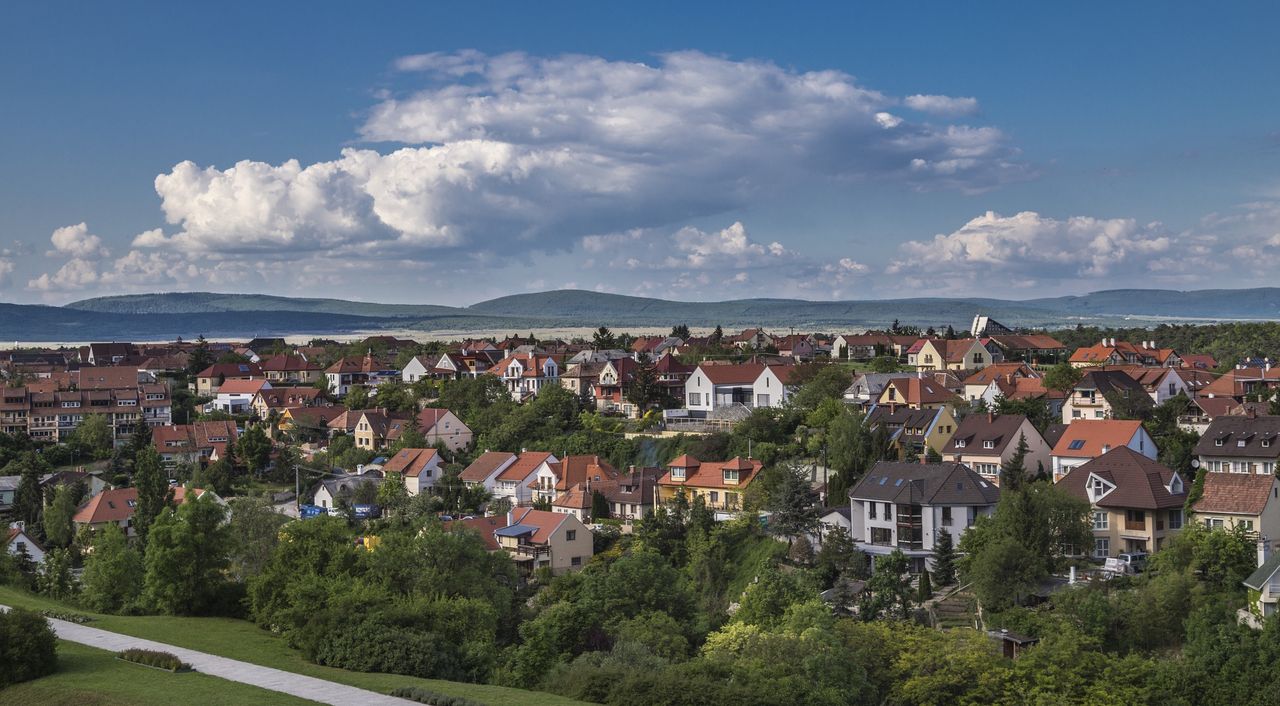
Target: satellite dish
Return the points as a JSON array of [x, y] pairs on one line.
[[1195, 463]]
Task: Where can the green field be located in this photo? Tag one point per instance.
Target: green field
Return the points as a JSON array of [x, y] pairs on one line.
[[91, 677], [242, 640]]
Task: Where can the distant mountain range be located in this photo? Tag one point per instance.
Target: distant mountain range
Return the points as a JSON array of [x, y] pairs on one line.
[[166, 315]]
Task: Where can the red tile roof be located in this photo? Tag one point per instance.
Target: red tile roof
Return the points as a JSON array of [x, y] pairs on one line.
[[1236, 493], [485, 465], [1095, 435], [710, 474], [410, 463], [527, 463], [544, 522], [484, 526]]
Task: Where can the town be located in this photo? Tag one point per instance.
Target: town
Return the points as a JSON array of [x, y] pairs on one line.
[[744, 516]]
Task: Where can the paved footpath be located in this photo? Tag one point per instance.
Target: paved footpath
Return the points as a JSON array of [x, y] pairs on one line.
[[300, 685]]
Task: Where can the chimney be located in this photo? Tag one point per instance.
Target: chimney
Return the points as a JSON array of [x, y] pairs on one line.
[[1264, 549], [511, 516], [1106, 448], [1251, 412], [991, 417]]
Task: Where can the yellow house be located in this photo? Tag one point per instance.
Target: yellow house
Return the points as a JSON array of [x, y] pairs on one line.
[[719, 484], [916, 393], [943, 354], [914, 430]]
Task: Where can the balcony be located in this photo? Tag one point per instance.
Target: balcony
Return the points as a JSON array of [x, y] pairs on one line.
[[1135, 525]]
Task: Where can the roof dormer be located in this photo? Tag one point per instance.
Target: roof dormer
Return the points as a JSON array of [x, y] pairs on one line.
[[1175, 486], [1098, 487]]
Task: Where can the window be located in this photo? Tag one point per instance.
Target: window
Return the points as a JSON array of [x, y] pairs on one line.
[[1175, 519], [989, 444], [946, 516], [888, 511], [731, 476], [1101, 548], [959, 443], [576, 561], [871, 510], [715, 497], [762, 400], [1076, 444], [570, 535], [1248, 524], [1100, 520], [1099, 414], [1075, 414], [677, 473], [1212, 522]]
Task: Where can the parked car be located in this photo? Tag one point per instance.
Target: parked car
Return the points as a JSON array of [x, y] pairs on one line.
[[1126, 564]]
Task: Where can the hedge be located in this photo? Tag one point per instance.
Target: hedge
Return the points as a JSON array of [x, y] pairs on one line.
[[153, 658], [425, 696]]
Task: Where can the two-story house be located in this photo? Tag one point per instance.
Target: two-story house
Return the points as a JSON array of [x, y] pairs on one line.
[[720, 484], [1240, 444], [524, 374], [538, 539], [977, 382], [1137, 502], [944, 354], [1251, 500], [441, 426], [419, 469], [556, 477], [921, 391], [712, 387], [906, 506], [515, 482], [483, 471], [913, 431], [236, 396], [211, 378], [1089, 397], [290, 369], [985, 442], [1086, 439]]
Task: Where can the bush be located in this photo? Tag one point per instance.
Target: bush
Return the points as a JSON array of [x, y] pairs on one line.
[[425, 696], [375, 647], [28, 647], [153, 658], [77, 618]]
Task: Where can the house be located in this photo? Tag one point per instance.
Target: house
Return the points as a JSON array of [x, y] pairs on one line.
[[211, 378], [906, 506], [1112, 352], [985, 442], [631, 495], [278, 399], [117, 507], [309, 421], [912, 431], [833, 517], [976, 384], [1091, 397], [18, 543], [944, 354], [866, 388], [711, 387], [610, 387], [418, 468], [1248, 499], [420, 367], [921, 391], [353, 372], [8, 491], [672, 374], [720, 484], [654, 347], [236, 396], [1264, 587], [194, 443], [441, 426], [866, 346], [751, 339], [48, 414], [106, 354], [537, 539], [1241, 444], [524, 374], [515, 481], [580, 378], [1038, 349], [485, 469], [1086, 439], [1137, 502], [556, 477], [332, 490], [286, 369], [377, 428], [796, 345], [1023, 388]]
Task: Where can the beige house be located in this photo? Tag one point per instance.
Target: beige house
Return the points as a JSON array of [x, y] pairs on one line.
[[1137, 502], [1248, 499], [984, 442], [943, 354], [442, 426], [1088, 400], [539, 539], [919, 392]]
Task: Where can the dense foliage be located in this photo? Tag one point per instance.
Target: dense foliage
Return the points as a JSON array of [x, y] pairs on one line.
[[28, 647]]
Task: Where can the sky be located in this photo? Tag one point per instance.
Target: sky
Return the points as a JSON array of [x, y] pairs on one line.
[[449, 153]]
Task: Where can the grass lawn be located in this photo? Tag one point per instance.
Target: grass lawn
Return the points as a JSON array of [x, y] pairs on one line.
[[91, 677], [242, 640]]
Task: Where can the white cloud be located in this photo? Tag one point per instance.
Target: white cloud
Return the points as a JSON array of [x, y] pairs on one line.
[[511, 153], [76, 274], [942, 105], [76, 241]]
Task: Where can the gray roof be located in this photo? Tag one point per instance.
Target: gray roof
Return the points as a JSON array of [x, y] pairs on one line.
[[977, 429], [1263, 573], [10, 482], [1108, 381], [925, 484], [1231, 430]]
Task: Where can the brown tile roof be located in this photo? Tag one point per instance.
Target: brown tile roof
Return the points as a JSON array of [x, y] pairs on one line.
[[241, 387], [119, 504], [1000, 370], [285, 363], [978, 429], [527, 463], [107, 378], [710, 474], [1140, 482], [733, 373], [231, 371], [544, 522], [485, 465], [926, 484], [1236, 493], [916, 390], [572, 470], [484, 526], [1095, 434], [410, 463]]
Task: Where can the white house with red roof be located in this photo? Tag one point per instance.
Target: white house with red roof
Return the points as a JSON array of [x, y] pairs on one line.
[[418, 468], [485, 469], [515, 481], [524, 374], [117, 507], [751, 385], [18, 542], [538, 539], [1087, 439], [236, 396]]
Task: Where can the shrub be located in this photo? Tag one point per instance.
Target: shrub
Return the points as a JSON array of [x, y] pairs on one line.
[[28, 647], [375, 647], [153, 658], [425, 696], [77, 618]]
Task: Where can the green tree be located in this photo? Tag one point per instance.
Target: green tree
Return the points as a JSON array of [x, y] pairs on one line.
[[944, 559], [112, 572], [599, 506], [357, 397], [884, 364], [839, 556], [154, 494], [1013, 472], [254, 449], [59, 530], [28, 647], [187, 555], [253, 531], [217, 476], [793, 503], [716, 337], [55, 579], [94, 436], [680, 331], [645, 389], [393, 496], [603, 339], [28, 505], [926, 587], [889, 589], [1062, 377]]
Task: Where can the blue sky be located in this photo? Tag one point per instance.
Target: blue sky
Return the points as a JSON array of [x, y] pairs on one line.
[[451, 153]]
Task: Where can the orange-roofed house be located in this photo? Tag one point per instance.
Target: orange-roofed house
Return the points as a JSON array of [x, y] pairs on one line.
[[117, 507], [1112, 352], [538, 539], [197, 442], [418, 468], [976, 384], [485, 469], [1086, 439], [524, 374], [515, 481], [720, 484], [556, 477], [286, 369]]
